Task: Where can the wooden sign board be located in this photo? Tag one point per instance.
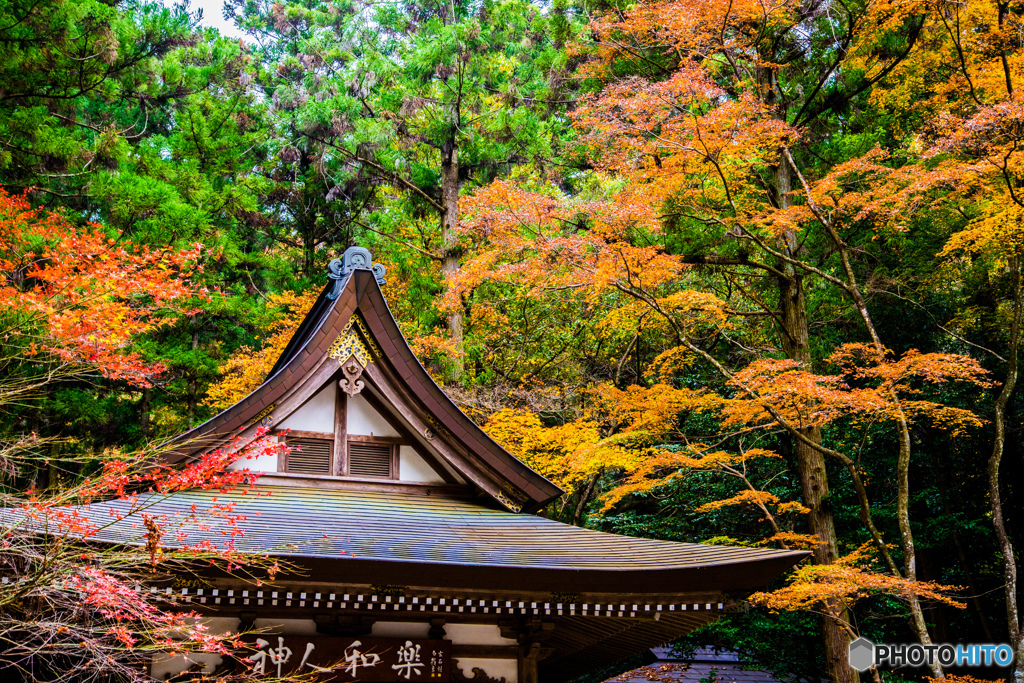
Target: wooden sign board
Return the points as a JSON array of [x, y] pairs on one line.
[[331, 658]]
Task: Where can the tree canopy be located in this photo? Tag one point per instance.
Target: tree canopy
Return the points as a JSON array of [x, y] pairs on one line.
[[725, 271]]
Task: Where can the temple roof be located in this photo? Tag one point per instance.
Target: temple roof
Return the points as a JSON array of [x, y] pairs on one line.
[[378, 530], [352, 304], [385, 537]]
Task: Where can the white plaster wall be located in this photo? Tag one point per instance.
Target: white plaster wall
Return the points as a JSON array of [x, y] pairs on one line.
[[400, 629], [412, 467], [364, 419], [316, 414], [476, 634], [221, 625], [258, 463], [495, 668], [164, 666]]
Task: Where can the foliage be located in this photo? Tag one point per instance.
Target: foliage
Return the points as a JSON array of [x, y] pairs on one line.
[[247, 368], [724, 271], [74, 297], [566, 454], [73, 608], [849, 579]]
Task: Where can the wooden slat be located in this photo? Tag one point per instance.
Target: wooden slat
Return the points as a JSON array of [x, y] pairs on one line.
[[310, 456], [391, 486], [302, 434], [370, 459], [376, 439]]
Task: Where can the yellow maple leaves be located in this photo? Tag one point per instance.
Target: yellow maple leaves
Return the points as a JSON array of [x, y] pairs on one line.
[[247, 368], [566, 454], [851, 578]]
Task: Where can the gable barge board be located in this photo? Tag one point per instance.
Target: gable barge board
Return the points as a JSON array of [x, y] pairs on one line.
[[440, 446], [536, 487], [385, 390], [410, 439]]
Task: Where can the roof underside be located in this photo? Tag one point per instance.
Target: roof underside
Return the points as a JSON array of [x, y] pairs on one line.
[[422, 540]]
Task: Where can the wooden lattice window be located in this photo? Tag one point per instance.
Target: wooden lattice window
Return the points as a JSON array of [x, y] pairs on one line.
[[310, 455], [372, 457], [342, 454]]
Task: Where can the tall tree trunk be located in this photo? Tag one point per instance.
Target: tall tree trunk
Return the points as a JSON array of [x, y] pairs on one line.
[[193, 380], [810, 462], [999, 422], [917, 619], [588, 492], [903, 461], [449, 238], [306, 217]]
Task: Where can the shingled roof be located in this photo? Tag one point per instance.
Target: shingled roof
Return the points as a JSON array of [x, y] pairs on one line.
[[377, 536]]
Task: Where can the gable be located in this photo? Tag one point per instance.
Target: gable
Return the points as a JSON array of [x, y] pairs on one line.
[[363, 418], [316, 414], [330, 427], [349, 384]]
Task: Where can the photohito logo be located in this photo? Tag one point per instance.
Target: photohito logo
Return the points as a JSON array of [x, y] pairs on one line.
[[864, 654]]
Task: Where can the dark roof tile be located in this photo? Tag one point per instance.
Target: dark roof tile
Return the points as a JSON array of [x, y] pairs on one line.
[[404, 528]]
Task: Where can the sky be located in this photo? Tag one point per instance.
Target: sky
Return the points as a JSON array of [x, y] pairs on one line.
[[213, 16]]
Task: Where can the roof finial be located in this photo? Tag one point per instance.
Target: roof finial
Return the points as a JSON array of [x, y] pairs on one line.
[[354, 258]]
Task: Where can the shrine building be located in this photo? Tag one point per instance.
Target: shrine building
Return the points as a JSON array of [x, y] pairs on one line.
[[418, 553]]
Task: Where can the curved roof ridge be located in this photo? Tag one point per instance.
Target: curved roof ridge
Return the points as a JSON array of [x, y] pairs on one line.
[[355, 288], [218, 427]]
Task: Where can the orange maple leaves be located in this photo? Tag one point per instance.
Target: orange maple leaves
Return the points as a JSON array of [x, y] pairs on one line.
[[80, 296], [869, 386], [540, 241], [851, 578]]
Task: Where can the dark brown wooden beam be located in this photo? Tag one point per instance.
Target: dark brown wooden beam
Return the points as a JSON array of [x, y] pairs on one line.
[[485, 651], [340, 465]]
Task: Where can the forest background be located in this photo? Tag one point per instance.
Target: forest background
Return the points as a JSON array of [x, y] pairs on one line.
[[726, 271]]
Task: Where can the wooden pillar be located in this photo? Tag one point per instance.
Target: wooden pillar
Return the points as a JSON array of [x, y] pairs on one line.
[[532, 632], [339, 465], [528, 656], [437, 631]]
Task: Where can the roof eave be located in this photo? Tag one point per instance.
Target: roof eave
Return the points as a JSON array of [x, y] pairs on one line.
[[726, 577]]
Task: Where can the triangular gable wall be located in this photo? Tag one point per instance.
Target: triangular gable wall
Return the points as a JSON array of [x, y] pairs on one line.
[[350, 339], [364, 417]]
